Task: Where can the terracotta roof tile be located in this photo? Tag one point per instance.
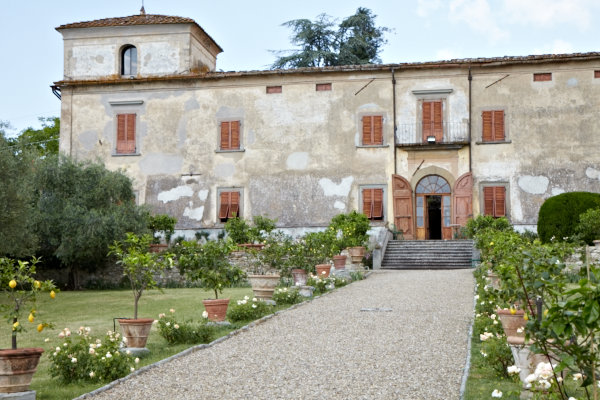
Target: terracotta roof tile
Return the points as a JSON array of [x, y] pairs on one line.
[[139, 19]]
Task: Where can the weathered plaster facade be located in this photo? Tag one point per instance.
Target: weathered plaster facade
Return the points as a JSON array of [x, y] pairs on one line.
[[301, 159]]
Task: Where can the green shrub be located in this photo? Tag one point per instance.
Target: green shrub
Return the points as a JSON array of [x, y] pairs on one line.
[[559, 215], [287, 296], [241, 231], [161, 223], [82, 358], [481, 222], [184, 332], [497, 355], [353, 228], [248, 310], [588, 228]]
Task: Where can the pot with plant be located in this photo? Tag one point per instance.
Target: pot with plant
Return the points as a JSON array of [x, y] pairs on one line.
[[209, 265], [141, 267], [249, 235], [351, 232], [269, 264], [161, 225], [17, 365]]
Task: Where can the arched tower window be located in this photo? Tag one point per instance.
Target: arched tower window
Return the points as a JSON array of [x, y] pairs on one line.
[[129, 60]]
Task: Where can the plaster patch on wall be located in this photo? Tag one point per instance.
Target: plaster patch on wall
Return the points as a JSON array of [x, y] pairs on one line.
[[89, 139], [191, 104], [161, 58], [297, 161], [225, 170], [572, 82], [85, 60], [556, 191], [592, 173], [203, 195], [175, 194], [516, 208], [338, 205], [161, 164], [534, 184], [332, 189], [194, 213]]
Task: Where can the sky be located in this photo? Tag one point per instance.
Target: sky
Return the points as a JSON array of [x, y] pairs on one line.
[[248, 32]]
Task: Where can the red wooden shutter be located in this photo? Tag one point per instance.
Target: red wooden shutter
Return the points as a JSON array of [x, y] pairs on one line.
[[427, 120], [493, 126], [498, 125], [235, 135], [367, 136], [224, 205], [377, 196], [225, 137], [367, 202], [488, 200], [499, 201], [323, 86], [126, 133], [542, 77], [377, 130], [487, 134], [234, 209], [274, 89], [438, 130]]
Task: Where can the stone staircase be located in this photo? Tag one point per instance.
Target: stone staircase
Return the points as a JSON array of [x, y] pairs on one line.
[[428, 254]]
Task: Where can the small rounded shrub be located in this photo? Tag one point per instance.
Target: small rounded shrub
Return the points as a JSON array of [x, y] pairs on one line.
[[559, 215], [481, 222], [588, 228]]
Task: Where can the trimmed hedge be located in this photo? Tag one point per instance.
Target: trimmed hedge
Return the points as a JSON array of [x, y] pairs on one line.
[[559, 215]]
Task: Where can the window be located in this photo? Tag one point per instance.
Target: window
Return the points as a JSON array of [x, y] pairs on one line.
[[494, 201], [129, 60], [433, 120], [229, 204], [320, 87], [230, 135], [372, 203], [126, 133], [372, 130], [493, 126], [542, 77], [597, 74], [273, 89]]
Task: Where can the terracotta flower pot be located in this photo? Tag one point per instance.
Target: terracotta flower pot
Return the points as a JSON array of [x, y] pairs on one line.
[[300, 276], [339, 262], [512, 322], [323, 270], [17, 368], [356, 253], [263, 286], [216, 309], [136, 331], [158, 247]]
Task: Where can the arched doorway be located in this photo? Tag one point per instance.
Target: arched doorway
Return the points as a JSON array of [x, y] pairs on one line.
[[433, 208]]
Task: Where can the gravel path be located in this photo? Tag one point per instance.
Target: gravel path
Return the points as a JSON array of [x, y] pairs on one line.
[[330, 349]]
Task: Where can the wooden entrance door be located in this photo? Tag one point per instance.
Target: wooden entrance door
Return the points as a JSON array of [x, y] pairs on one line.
[[463, 199], [433, 188], [403, 210]]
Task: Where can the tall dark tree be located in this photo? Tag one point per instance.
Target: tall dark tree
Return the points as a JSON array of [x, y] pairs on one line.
[[357, 40], [44, 141], [17, 238]]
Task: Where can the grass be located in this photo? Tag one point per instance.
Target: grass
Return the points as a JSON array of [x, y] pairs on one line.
[[97, 309]]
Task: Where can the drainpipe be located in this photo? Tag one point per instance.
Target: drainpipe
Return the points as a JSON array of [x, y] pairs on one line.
[[470, 147], [394, 114]]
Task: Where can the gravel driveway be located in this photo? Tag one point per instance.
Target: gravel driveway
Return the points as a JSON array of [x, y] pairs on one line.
[[330, 349]]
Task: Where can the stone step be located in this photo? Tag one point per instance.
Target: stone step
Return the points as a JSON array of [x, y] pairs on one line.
[[428, 254]]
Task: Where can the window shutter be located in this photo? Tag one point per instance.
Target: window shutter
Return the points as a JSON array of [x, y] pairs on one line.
[[377, 203], [126, 133], [437, 121], [377, 129], [488, 200], [500, 203], [498, 117], [225, 137], [224, 205], [427, 121], [235, 135], [367, 202], [487, 135], [234, 209], [367, 130]]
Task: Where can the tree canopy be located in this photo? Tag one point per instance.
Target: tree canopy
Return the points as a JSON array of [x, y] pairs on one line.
[[43, 141], [357, 40]]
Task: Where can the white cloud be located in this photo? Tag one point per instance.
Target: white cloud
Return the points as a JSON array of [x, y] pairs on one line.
[[477, 14], [426, 7], [548, 13], [557, 47]]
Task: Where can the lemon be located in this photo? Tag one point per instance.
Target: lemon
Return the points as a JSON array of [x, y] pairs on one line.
[[40, 327], [12, 284], [16, 325], [37, 284], [525, 317], [513, 311], [30, 318], [52, 294]]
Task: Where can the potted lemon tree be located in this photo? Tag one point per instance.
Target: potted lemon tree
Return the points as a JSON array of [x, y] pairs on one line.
[[141, 267], [208, 265], [21, 289]]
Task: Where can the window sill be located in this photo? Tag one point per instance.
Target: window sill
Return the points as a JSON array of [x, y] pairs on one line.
[[230, 151], [126, 154], [494, 142], [376, 146]]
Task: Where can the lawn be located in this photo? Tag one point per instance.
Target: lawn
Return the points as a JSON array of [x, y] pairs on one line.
[[96, 309]]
